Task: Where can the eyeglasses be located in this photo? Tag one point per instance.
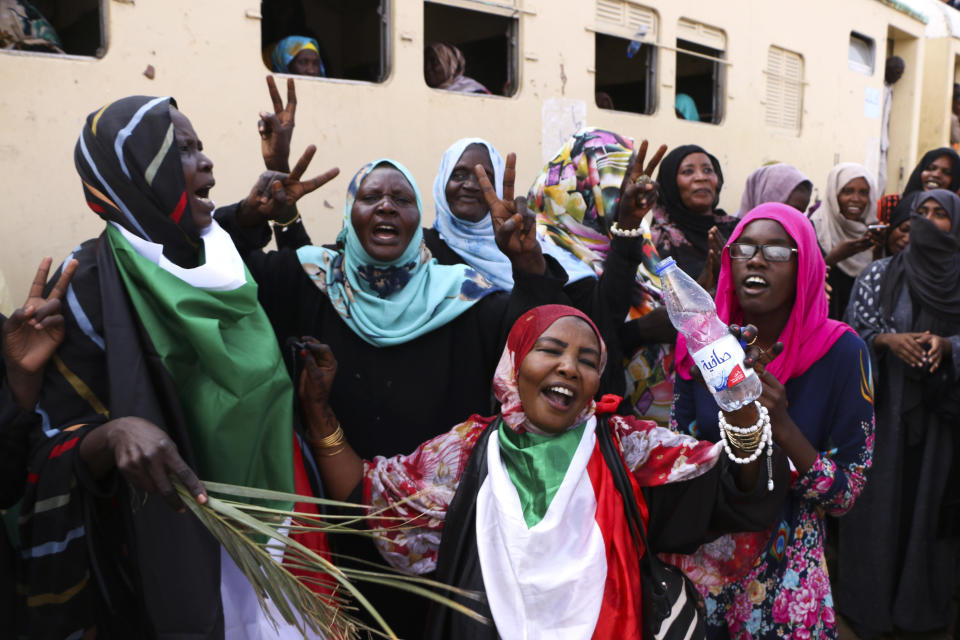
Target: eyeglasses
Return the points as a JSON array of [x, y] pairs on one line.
[[771, 252]]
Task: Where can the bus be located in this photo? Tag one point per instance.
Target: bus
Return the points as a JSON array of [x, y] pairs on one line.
[[797, 82]]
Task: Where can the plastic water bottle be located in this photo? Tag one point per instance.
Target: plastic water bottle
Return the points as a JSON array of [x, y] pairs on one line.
[[716, 352], [637, 41]]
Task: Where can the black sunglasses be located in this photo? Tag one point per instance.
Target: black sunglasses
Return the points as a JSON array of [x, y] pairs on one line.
[[771, 252]]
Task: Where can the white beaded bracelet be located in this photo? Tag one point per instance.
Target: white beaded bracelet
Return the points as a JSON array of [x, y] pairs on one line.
[[625, 233], [763, 422]]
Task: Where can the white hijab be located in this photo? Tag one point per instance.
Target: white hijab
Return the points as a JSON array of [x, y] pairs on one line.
[[833, 228]]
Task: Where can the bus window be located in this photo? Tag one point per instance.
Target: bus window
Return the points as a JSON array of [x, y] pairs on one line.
[[470, 50], [701, 70], [625, 57], [75, 27], [329, 38], [861, 54], [783, 94]]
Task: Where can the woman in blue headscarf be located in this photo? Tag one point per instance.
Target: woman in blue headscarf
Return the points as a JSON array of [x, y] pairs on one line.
[[418, 341], [298, 55]]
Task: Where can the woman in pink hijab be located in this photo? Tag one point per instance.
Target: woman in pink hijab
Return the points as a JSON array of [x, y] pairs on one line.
[[820, 386]]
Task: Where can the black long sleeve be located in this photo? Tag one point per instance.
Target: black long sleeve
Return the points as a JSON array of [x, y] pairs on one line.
[[685, 515]]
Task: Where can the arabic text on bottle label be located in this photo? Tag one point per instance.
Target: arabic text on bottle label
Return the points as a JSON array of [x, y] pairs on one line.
[[721, 363]]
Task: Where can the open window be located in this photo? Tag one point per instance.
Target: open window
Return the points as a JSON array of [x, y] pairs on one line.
[[350, 36], [470, 46], [701, 72], [783, 91], [861, 54], [76, 27], [625, 63]]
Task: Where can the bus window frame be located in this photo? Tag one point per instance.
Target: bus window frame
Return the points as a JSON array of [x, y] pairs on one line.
[[100, 53], [512, 13]]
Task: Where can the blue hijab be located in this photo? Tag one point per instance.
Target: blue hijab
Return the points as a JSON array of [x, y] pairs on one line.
[[395, 302], [474, 241], [287, 49]]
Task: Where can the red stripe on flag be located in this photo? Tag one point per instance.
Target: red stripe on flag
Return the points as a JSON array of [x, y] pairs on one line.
[[33, 477], [63, 447], [96, 208], [316, 541], [178, 212], [621, 612]]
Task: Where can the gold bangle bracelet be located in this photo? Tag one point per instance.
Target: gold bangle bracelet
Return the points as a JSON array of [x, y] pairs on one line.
[[333, 453], [334, 439], [289, 222]]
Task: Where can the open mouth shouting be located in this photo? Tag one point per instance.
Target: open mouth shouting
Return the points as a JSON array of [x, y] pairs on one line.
[[559, 396], [754, 284]]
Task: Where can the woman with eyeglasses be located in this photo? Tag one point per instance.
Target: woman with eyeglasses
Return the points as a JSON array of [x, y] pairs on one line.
[[817, 388], [898, 550]]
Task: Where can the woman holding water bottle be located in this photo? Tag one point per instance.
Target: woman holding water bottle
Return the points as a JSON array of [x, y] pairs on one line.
[[817, 394]]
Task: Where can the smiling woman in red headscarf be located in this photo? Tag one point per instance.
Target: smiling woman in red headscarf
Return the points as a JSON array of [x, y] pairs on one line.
[[819, 394], [502, 494]]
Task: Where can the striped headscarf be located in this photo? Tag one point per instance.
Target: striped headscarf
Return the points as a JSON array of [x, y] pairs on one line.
[[130, 168]]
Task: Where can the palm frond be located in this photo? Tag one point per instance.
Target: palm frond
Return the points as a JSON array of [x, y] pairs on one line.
[[252, 534]]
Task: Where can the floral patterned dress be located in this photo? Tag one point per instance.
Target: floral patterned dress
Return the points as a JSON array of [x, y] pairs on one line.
[[785, 591]]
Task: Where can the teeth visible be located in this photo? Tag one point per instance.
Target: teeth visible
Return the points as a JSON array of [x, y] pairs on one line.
[[755, 280], [931, 183], [561, 391], [207, 201]]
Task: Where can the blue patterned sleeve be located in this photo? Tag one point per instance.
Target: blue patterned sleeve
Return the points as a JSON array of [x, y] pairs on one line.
[[839, 474], [863, 312]]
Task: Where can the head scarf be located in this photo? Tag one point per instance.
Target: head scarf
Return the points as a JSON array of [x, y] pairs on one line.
[[451, 66], [902, 210], [915, 183], [773, 183], [679, 232], [395, 302], [131, 173], [575, 198], [474, 241], [930, 268], [195, 315], [833, 228], [687, 107], [808, 334], [524, 334], [287, 49]]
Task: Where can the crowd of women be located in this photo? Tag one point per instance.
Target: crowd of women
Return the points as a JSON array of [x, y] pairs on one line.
[[506, 382]]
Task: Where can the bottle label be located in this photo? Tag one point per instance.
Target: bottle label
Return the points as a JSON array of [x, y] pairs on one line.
[[721, 363]]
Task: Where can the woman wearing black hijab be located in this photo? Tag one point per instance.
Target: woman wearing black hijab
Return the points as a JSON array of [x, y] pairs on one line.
[[690, 180], [907, 309], [937, 169]]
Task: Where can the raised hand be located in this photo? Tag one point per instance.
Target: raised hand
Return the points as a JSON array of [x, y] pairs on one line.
[[276, 129], [35, 330], [711, 268], [275, 191], [638, 192], [319, 371], [514, 226]]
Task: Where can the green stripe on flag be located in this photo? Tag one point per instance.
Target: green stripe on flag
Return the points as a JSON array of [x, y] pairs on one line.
[[537, 465], [221, 353]]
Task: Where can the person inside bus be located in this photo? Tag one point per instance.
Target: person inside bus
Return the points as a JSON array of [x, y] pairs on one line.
[[778, 182], [444, 67], [775, 585], [527, 507], [686, 108], [576, 199], [937, 169], [159, 308], [842, 229], [687, 224], [463, 232], [900, 545], [298, 55]]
